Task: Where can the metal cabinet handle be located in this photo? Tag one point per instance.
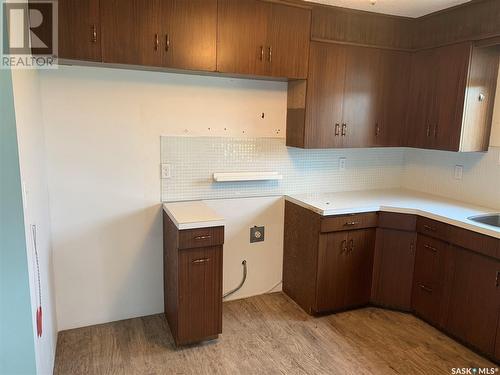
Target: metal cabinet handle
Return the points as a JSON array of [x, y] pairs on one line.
[[337, 129], [270, 49], [202, 260], [429, 247], [351, 223], [157, 42], [343, 246], [497, 280], [204, 237], [261, 53], [377, 130], [428, 130], [167, 42], [435, 130], [94, 34], [428, 227], [344, 129], [351, 245], [425, 288]]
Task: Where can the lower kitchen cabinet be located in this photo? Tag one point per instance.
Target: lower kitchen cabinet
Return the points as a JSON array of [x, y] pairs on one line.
[[473, 313], [429, 279], [193, 282], [393, 268], [345, 263], [446, 275], [328, 261]]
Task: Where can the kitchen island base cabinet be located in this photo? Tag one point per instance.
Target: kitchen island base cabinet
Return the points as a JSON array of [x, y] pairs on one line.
[[193, 282]]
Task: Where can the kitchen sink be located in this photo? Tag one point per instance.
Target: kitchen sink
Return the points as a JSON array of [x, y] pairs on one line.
[[489, 219]]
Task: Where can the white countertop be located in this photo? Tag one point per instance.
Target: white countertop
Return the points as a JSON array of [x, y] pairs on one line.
[[191, 215], [398, 200]]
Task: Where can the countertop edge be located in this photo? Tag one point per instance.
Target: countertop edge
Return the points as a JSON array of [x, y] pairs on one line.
[[412, 211], [193, 224]]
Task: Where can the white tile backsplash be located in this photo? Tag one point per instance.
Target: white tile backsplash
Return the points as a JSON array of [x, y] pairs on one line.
[[434, 172], [195, 159]]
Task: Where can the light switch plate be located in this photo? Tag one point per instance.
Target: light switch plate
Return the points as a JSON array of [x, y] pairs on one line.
[[166, 170], [342, 164], [459, 172]]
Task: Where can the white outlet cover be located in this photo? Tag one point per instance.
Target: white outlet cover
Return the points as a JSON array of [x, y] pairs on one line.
[[166, 170], [459, 172], [342, 164]]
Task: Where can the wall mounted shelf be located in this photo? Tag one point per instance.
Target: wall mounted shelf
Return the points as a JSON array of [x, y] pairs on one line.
[[246, 176]]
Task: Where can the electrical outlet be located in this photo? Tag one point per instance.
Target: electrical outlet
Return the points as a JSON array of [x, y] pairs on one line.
[[166, 171], [256, 234], [459, 171], [342, 164]]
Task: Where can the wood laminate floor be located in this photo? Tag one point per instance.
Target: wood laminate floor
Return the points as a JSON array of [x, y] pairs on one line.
[[268, 334]]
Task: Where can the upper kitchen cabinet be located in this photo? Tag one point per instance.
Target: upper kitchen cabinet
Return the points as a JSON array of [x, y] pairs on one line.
[[392, 106], [451, 98], [263, 39], [131, 32], [340, 105], [79, 30], [177, 34], [189, 30]]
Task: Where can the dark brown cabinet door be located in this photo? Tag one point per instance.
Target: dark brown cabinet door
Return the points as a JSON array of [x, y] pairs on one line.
[[79, 30], [497, 345], [393, 269], [475, 300], [453, 63], [325, 95], [360, 96], [360, 258], [394, 70], [189, 34], [429, 278], [333, 271], [242, 36], [287, 49], [421, 119], [200, 294], [131, 32]]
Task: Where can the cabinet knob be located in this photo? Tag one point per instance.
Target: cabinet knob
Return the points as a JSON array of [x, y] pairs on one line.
[[94, 33], [202, 260], [343, 246], [351, 223], [429, 247], [157, 42], [425, 288], [204, 237]]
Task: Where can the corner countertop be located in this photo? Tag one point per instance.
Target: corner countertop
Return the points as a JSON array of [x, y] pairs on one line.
[[398, 200], [192, 215]]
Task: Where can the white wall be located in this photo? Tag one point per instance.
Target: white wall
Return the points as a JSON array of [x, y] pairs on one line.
[[103, 130], [30, 134]]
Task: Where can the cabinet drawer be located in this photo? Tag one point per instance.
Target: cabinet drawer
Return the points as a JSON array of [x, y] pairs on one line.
[[433, 228], [392, 220], [201, 237], [349, 222]]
